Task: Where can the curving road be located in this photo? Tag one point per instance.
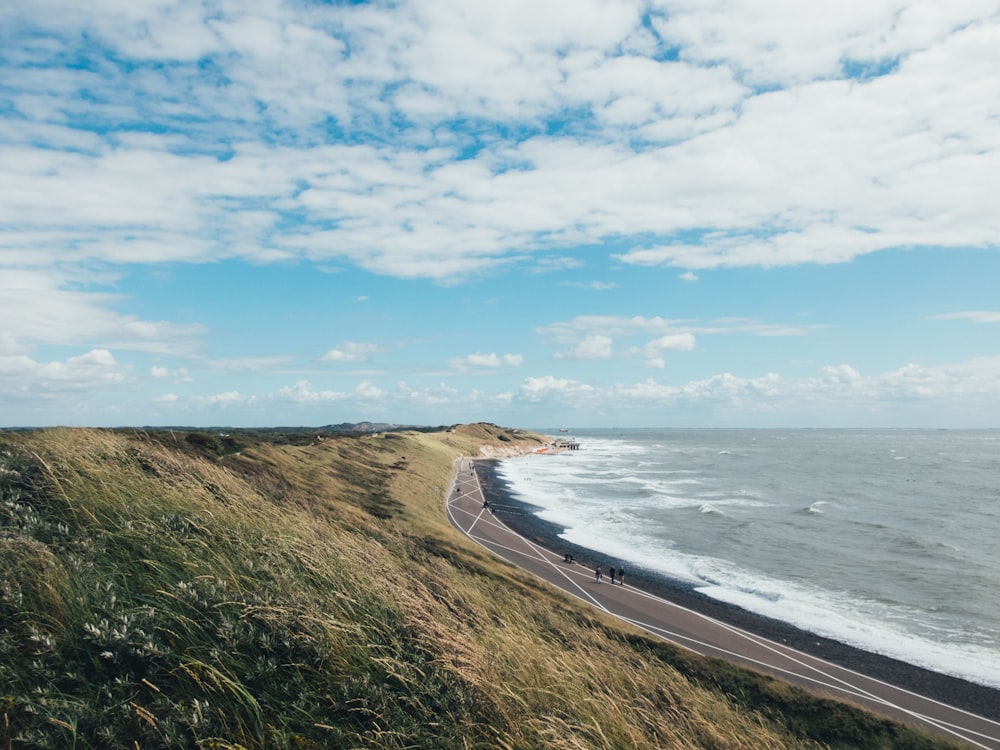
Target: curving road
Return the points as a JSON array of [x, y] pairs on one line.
[[704, 634]]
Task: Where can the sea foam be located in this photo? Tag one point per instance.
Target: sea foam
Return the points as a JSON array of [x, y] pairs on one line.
[[897, 557]]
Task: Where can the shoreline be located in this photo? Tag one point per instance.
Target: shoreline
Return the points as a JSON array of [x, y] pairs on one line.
[[520, 516]]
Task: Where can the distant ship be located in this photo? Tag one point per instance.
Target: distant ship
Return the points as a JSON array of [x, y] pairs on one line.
[[564, 429]]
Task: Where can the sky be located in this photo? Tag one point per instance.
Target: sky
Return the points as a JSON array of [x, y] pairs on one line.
[[537, 213]]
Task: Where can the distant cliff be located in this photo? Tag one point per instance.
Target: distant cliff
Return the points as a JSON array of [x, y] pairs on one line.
[[366, 427]]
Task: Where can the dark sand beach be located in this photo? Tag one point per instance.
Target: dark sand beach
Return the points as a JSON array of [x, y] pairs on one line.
[[521, 518]]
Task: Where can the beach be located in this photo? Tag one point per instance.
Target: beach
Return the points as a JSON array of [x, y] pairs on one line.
[[522, 518]]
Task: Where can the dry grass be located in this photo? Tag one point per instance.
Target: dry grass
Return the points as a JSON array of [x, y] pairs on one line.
[[161, 593]]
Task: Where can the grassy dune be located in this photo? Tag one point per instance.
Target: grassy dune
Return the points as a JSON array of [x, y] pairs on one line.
[[197, 591]]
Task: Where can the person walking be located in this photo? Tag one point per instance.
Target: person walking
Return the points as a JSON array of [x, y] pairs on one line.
[[597, 574], [611, 572], [621, 576]]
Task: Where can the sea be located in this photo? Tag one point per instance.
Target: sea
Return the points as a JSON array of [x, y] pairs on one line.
[[886, 540]]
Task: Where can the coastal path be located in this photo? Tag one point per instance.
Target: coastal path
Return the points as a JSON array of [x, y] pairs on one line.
[[703, 634]]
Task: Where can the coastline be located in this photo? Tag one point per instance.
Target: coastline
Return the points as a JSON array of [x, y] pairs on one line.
[[521, 517]]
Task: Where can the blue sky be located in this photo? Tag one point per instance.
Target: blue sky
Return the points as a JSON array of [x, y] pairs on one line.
[[534, 213]]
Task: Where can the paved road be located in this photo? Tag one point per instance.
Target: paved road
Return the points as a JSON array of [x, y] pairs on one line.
[[703, 634]]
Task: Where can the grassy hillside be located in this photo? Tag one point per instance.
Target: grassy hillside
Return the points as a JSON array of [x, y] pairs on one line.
[[193, 590]]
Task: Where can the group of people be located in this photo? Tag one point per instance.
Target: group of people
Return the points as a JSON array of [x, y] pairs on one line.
[[599, 574]]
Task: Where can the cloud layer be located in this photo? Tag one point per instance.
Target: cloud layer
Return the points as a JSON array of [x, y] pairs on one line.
[[632, 120], [446, 141]]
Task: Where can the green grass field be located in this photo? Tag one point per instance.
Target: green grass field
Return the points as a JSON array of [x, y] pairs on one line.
[[257, 590]]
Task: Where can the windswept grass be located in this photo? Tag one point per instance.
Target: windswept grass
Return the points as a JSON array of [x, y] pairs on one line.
[[160, 591]]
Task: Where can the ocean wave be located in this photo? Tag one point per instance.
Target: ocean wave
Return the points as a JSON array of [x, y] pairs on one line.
[[860, 624], [872, 562]]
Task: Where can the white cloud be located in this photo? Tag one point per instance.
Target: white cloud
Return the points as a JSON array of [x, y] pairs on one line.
[[743, 397], [550, 388], [302, 392], [247, 364], [23, 379], [838, 394], [547, 264], [94, 358], [647, 391], [37, 309], [225, 399], [490, 60], [351, 351], [782, 42], [840, 374], [819, 171], [594, 346], [596, 285], [639, 92], [180, 374], [9, 344], [683, 342], [606, 325], [443, 139], [483, 360], [367, 389], [440, 395], [491, 360], [973, 316], [598, 331]]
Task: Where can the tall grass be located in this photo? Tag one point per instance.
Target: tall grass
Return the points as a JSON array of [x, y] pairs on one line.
[[160, 592]]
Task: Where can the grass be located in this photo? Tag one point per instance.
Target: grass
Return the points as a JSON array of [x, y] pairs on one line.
[[240, 592]]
